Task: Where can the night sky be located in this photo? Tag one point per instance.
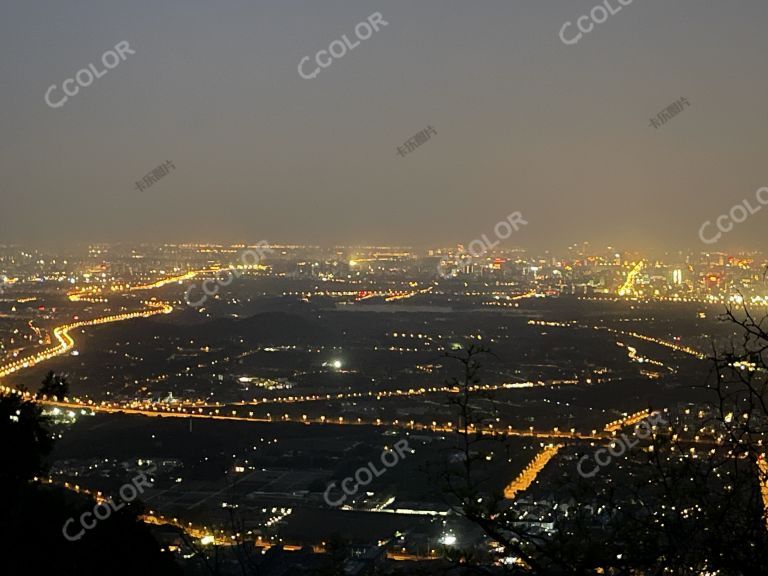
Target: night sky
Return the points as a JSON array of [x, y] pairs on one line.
[[523, 122]]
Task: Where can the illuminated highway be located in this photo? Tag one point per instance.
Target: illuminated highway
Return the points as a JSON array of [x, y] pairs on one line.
[[762, 477], [204, 412], [90, 293], [380, 394], [235, 416], [531, 471], [676, 347], [630, 420], [67, 343]]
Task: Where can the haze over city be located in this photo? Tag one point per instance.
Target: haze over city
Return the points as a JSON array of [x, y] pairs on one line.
[[524, 122]]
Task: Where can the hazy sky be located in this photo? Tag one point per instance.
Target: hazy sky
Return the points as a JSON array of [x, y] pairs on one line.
[[524, 122]]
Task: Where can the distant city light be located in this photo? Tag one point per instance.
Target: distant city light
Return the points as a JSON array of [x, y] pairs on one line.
[[448, 540]]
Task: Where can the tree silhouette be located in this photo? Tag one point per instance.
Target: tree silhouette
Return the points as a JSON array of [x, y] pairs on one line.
[[690, 500], [54, 386], [26, 441], [32, 515]]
